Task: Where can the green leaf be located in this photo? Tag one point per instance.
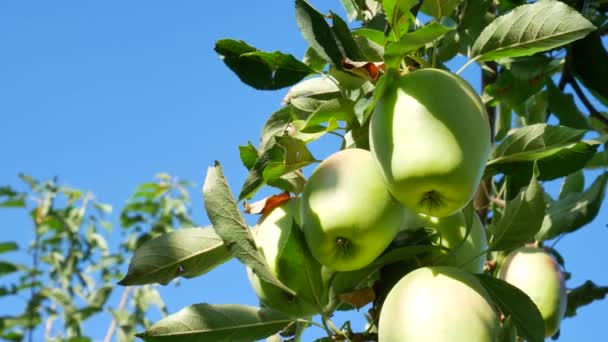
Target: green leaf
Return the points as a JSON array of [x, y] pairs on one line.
[[593, 75], [556, 150], [352, 8], [503, 122], [563, 106], [284, 155], [7, 268], [521, 219], [231, 227], [396, 11], [395, 52], [8, 247], [277, 124], [515, 303], [13, 199], [439, 8], [249, 154], [529, 29], [314, 60], [345, 39], [228, 322], [186, 252], [574, 182], [573, 211], [598, 161], [317, 33], [261, 70], [475, 17], [339, 109], [313, 87], [514, 91], [584, 295]]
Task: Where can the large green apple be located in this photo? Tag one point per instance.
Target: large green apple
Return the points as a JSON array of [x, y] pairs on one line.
[[439, 303], [468, 254], [285, 250], [538, 274], [431, 138], [348, 215]]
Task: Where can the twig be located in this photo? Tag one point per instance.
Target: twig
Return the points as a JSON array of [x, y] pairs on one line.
[[114, 323], [48, 328], [594, 113]]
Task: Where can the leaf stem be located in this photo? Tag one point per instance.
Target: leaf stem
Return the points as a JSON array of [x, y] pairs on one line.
[[471, 61]]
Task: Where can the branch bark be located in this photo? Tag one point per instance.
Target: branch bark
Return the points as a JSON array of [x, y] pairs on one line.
[[121, 305]]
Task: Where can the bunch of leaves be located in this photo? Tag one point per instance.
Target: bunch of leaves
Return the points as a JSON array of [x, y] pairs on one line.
[[72, 269], [530, 55]]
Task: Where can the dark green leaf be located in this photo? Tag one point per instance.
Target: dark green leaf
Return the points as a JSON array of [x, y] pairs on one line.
[[284, 155], [574, 182], [317, 33], [473, 19], [186, 252], [8, 247], [261, 70], [7, 268], [514, 91], [521, 219], [228, 322], [231, 227], [515, 303], [573, 211], [12, 198], [529, 29], [555, 149], [395, 52], [563, 106], [345, 38], [584, 295], [592, 74], [598, 161]]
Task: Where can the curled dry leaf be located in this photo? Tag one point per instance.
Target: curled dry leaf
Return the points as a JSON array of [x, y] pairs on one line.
[[367, 70], [358, 298], [266, 205]]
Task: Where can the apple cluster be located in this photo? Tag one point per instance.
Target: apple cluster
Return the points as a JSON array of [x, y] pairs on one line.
[[426, 159]]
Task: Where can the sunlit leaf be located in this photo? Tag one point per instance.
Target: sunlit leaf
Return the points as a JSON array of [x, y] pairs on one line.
[[317, 33], [529, 29], [228, 223], [228, 322], [188, 253]]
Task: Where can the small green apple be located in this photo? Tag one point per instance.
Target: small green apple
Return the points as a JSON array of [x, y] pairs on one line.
[[539, 275], [284, 248], [431, 138], [348, 216], [468, 254], [439, 303]]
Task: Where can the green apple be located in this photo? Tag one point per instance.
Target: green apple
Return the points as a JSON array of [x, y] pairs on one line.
[[284, 248], [439, 303], [430, 136], [469, 254], [348, 215], [539, 275]]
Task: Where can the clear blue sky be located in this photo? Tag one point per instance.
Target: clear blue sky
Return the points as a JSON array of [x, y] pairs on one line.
[[105, 94]]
